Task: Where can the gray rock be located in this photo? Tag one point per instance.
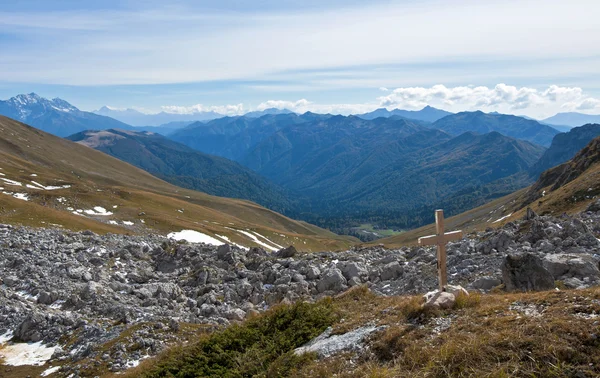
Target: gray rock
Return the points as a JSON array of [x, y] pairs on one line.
[[333, 280], [312, 273], [486, 283], [391, 271], [352, 269], [45, 298], [286, 252], [526, 272], [439, 300], [594, 206], [567, 265], [326, 345]]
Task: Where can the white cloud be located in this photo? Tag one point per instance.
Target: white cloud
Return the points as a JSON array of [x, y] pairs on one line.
[[589, 104], [303, 106], [502, 98], [534, 102], [199, 108]]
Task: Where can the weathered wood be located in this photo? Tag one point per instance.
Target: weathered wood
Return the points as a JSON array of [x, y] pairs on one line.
[[441, 249], [440, 239]]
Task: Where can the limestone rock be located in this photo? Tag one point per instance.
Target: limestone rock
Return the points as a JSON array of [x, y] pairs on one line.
[[526, 272], [332, 280], [391, 271], [568, 265], [486, 283], [439, 300], [286, 252]]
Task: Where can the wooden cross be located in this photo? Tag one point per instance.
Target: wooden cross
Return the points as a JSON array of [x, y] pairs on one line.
[[440, 239]]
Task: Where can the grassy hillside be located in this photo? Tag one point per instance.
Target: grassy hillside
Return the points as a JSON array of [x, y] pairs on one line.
[[185, 167], [138, 201]]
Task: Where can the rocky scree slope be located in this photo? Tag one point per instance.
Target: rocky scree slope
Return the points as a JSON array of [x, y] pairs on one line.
[[105, 302]]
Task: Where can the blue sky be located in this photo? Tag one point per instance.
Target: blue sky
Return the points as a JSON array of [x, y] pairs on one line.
[[528, 57]]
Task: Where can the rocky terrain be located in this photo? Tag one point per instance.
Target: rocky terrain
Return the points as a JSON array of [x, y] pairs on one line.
[[83, 298]]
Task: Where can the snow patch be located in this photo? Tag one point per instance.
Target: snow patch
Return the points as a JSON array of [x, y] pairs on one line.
[[193, 236], [503, 218], [255, 239], [11, 182], [26, 354], [50, 187], [230, 242], [135, 363], [128, 223], [21, 196], [49, 371], [98, 210], [275, 244]]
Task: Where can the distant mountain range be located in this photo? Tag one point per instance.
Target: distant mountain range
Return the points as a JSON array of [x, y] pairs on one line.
[[136, 118], [272, 111], [572, 119], [509, 125], [54, 116], [185, 167], [564, 146], [384, 170], [428, 114], [382, 167]]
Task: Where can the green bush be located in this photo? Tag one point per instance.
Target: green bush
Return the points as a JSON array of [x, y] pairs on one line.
[[262, 346]]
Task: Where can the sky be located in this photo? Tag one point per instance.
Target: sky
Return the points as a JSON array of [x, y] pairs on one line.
[[526, 57]]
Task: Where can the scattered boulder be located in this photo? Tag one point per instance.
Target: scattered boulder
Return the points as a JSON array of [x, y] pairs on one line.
[[286, 252], [439, 300], [353, 270], [526, 272], [326, 345], [486, 283], [530, 215], [391, 271], [568, 266], [594, 206], [332, 280]]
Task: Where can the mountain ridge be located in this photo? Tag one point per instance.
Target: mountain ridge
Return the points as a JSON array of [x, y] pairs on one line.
[[509, 125], [55, 116], [185, 167], [572, 119], [427, 114], [564, 147]]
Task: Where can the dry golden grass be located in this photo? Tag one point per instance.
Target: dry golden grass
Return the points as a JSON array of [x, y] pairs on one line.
[[485, 339]]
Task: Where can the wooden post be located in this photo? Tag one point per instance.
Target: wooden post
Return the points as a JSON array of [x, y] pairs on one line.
[[441, 249], [440, 239]]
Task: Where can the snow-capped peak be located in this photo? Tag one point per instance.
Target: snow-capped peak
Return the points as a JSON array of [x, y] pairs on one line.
[[27, 99], [62, 105]]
